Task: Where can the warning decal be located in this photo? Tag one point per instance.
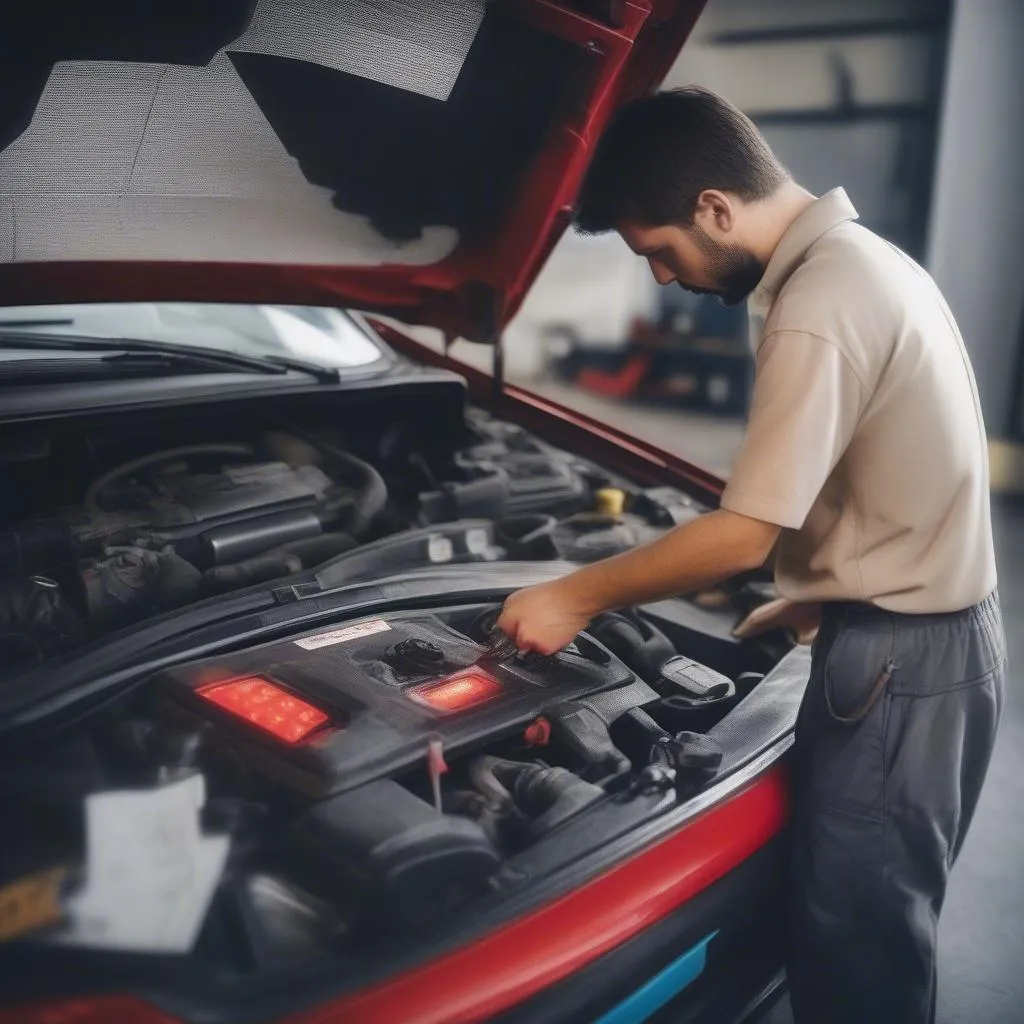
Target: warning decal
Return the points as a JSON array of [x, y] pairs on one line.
[[341, 636]]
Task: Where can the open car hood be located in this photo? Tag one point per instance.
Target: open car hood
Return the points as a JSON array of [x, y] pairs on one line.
[[412, 158]]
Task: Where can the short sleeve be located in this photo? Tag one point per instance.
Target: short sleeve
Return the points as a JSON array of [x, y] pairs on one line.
[[806, 405]]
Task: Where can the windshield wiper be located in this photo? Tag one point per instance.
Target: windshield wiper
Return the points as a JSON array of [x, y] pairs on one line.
[[48, 322], [324, 374], [103, 365], [195, 353]]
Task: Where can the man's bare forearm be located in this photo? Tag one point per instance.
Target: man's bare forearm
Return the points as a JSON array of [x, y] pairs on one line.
[[693, 556]]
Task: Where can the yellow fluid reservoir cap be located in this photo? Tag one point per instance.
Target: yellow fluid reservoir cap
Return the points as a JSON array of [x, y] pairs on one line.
[[610, 501]]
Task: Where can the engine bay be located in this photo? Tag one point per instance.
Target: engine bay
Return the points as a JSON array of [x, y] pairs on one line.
[[118, 521], [376, 775]]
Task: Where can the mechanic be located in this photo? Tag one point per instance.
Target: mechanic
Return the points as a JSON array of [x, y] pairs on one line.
[[865, 471]]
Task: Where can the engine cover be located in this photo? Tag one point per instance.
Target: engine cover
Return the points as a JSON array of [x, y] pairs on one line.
[[330, 711], [180, 501]]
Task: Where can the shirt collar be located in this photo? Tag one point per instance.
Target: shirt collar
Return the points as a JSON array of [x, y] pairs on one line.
[[831, 210]]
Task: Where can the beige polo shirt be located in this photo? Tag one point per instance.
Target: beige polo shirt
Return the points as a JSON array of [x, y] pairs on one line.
[[865, 440]]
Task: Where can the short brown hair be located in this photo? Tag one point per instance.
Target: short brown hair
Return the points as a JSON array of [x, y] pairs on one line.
[[659, 153]]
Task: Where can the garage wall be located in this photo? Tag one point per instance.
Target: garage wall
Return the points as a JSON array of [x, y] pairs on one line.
[[592, 286], [846, 93], [977, 224], [915, 107]]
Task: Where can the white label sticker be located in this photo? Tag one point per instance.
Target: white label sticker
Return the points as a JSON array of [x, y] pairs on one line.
[[341, 636]]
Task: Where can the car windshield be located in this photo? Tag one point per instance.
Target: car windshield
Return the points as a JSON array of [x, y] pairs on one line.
[[327, 337]]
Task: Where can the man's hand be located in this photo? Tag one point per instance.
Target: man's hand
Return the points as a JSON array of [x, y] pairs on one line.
[[544, 618], [707, 550], [801, 621]]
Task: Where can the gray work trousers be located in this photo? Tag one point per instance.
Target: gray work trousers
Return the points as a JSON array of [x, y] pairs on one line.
[[893, 741]]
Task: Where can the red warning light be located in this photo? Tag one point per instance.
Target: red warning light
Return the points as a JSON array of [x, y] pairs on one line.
[[457, 692], [266, 706]]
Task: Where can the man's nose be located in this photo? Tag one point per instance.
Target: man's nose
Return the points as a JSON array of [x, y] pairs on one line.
[[661, 273]]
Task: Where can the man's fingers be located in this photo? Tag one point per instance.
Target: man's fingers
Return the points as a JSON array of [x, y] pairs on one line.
[[762, 619], [512, 627], [524, 641], [506, 623], [527, 640], [801, 620]]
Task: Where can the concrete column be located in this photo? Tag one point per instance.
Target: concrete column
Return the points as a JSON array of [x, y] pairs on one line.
[[976, 233]]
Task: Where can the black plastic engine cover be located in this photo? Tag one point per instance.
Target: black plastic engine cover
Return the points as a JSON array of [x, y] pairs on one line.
[[186, 501], [366, 677]]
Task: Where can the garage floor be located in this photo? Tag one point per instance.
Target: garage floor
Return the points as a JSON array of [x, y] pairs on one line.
[[981, 972]]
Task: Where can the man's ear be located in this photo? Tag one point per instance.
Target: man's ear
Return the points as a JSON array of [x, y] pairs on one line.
[[715, 212]]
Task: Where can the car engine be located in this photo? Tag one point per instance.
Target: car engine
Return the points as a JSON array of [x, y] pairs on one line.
[[171, 523], [378, 773]]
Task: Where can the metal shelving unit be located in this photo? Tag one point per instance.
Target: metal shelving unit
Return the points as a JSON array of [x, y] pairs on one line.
[[916, 123]]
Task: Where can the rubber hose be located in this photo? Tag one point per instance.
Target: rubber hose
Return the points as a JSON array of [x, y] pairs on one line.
[[283, 561], [100, 484], [373, 492], [625, 637], [483, 775], [270, 565], [314, 551], [538, 789], [535, 786]]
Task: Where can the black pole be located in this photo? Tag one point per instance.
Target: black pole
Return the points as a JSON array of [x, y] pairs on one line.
[[497, 371]]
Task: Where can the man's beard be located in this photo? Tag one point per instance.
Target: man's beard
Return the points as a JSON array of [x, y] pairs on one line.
[[735, 271]]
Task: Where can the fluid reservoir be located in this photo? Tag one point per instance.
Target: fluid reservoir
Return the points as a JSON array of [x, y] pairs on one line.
[[606, 531], [610, 501]]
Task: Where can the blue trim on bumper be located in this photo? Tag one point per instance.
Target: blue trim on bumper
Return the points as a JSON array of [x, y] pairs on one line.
[[662, 988]]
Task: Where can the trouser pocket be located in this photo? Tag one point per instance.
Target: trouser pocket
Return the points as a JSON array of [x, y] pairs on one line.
[[840, 734], [937, 751]]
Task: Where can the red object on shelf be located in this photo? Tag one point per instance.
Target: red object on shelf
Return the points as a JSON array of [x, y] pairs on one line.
[[266, 706], [458, 691], [620, 384]]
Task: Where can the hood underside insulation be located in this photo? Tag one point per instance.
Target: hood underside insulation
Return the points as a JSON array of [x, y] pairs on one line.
[[180, 137]]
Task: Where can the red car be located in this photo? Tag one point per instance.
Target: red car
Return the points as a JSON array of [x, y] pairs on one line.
[[263, 756]]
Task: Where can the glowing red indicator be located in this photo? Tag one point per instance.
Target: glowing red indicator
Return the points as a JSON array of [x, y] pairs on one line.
[[266, 706], [457, 692]]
